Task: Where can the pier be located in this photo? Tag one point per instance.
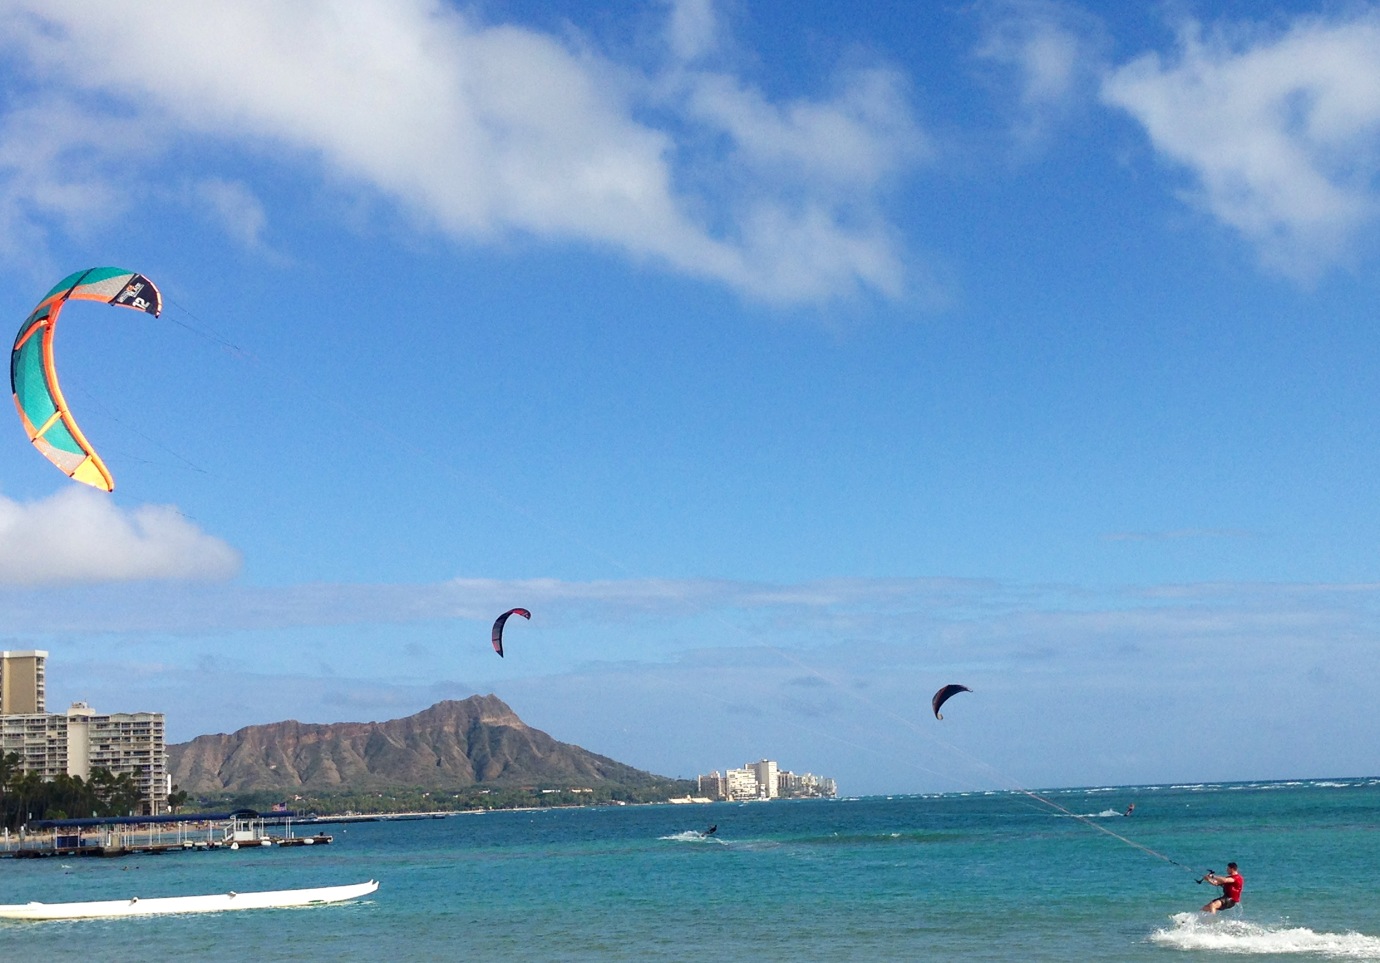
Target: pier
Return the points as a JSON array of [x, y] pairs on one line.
[[153, 835]]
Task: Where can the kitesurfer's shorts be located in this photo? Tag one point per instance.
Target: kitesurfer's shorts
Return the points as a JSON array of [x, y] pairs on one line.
[[1226, 902]]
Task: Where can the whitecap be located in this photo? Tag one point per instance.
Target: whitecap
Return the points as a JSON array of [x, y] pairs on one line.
[[1195, 931], [692, 836]]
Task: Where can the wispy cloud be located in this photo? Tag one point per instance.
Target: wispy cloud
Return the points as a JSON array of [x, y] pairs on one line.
[[61, 167], [235, 207], [236, 607], [693, 28], [1052, 53], [890, 616], [835, 676], [1280, 132], [193, 708], [481, 129]]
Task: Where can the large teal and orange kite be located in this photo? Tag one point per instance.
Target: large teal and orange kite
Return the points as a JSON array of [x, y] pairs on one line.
[[33, 377]]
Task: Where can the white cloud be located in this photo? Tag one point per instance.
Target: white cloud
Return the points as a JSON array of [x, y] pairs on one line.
[[236, 207], [693, 28], [1051, 50], [60, 166], [856, 139], [78, 536], [483, 129], [1281, 134]]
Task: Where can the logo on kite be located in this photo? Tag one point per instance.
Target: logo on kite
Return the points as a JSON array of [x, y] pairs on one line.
[[33, 374], [944, 695], [498, 627]]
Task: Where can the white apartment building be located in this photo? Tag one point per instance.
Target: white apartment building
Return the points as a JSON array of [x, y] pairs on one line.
[[806, 785], [740, 784], [81, 739], [764, 780], [711, 785], [765, 771]]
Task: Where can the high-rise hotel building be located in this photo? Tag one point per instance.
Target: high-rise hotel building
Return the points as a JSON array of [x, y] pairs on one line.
[[764, 780], [81, 739], [22, 689]]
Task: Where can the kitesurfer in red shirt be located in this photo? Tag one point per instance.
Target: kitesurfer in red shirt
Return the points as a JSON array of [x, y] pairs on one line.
[[1231, 889]]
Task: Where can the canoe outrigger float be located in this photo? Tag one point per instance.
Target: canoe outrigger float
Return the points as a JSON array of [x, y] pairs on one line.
[[215, 903]]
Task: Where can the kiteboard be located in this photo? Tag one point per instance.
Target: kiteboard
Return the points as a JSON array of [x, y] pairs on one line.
[[215, 903]]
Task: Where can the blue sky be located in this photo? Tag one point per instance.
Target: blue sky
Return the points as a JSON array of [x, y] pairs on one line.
[[787, 363]]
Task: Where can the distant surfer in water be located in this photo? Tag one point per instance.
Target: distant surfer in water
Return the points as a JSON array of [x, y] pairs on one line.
[[711, 830], [1231, 888], [1129, 809]]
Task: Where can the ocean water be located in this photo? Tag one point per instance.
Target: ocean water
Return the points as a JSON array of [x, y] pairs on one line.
[[1000, 877]]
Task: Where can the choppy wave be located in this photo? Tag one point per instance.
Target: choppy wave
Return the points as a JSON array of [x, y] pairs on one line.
[[1194, 931], [693, 836], [877, 838]]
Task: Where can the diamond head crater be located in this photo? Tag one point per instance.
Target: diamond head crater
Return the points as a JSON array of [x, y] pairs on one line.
[[458, 754]]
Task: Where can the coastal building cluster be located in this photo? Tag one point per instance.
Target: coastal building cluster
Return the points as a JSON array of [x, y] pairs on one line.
[[764, 780], [80, 740]]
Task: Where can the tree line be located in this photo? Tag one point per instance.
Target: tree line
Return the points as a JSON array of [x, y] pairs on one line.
[[397, 799], [26, 796]]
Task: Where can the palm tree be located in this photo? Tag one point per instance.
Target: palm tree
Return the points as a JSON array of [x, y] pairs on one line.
[[177, 798], [10, 763], [9, 768], [26, 798], [115, 795]]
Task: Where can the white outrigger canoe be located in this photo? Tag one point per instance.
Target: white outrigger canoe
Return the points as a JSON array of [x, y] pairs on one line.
[[215, 903]]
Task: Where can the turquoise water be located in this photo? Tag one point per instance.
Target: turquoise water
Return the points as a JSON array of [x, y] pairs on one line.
[[1000, 877]]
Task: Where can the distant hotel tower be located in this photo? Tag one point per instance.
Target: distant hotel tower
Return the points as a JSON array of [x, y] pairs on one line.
[[763, 780], [80, 740], [21, 683]]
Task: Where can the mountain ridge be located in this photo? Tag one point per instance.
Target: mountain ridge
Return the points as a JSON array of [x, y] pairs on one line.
[[453, 744]]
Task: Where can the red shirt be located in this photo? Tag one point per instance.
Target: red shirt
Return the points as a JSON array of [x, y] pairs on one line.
[[1231, 889]]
